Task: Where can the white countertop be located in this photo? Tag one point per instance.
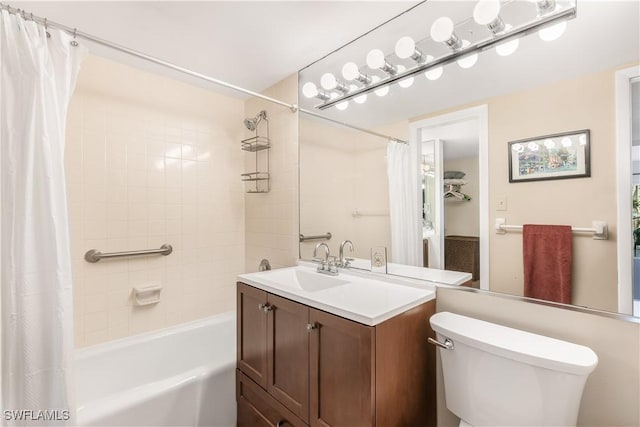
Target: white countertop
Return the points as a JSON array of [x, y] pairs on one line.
[[445, 277], [366, 300]]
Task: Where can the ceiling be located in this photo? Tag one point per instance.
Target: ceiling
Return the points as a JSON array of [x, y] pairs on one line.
[[252, 44], [460, 140]]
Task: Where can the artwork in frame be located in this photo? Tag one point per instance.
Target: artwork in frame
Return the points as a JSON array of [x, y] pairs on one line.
[[559, 156]]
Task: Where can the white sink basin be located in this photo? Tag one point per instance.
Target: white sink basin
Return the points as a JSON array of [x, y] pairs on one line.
[[308, 281], [356, 297]]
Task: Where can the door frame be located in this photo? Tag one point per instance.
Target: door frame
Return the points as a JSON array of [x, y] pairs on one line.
[[623, 184], [480, 113]]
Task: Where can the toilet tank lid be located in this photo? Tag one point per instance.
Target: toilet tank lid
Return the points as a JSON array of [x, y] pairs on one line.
[[515, 344]]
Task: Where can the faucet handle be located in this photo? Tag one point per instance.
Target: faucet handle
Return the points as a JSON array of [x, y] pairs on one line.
[[322, 264], [347, 262], [332, 264]]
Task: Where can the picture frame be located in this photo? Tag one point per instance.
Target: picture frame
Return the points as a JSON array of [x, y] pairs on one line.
[[558, 156]]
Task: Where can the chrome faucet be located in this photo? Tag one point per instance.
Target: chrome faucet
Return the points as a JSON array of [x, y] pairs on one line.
[[345, 262], [329, 264], [326, 253]]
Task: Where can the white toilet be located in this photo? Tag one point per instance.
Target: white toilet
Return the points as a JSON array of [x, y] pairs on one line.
[[499, 376]]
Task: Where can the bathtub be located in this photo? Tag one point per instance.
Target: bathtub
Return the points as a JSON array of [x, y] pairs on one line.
[[181, 376]]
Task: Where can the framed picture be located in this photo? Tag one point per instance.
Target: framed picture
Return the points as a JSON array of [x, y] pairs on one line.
[[559, 156]]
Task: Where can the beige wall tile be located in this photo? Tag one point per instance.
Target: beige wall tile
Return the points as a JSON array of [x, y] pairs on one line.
[[270, 234], [142, 157]]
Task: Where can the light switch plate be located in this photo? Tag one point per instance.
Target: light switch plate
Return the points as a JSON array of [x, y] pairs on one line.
[[379, 260], [501, 203]]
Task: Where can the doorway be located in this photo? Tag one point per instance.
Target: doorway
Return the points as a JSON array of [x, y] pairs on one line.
[[635, 168], [628, 180], [454, 183]]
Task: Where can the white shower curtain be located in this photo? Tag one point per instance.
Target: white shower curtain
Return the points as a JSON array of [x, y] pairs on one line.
[[37, 78], [404, 204]]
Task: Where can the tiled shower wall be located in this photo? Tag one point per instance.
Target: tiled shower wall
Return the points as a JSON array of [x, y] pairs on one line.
[[149, 161], [272, 218]]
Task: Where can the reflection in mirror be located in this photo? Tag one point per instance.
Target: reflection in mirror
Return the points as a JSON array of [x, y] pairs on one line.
[[551, 83], [345, 188]]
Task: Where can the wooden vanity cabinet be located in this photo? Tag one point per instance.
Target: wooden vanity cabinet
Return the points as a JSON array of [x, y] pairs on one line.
[[314, 368], [252, 333]]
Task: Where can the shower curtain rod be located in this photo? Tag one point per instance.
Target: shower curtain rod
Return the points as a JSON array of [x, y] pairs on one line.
[[74, 31], [370, 132]]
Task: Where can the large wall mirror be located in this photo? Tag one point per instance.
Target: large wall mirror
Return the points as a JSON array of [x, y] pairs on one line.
[[457, 122]]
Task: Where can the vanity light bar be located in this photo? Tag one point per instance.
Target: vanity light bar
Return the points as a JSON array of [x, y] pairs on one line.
[[523, 30]]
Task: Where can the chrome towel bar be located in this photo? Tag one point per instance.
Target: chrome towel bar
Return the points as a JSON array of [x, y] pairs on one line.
[[326, 236], [95, 255], [599, 229]]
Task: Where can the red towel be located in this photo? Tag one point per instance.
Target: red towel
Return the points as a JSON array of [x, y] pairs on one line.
[[547, 252]]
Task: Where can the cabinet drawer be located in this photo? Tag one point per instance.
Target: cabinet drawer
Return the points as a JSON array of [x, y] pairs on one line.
[[257, 408]]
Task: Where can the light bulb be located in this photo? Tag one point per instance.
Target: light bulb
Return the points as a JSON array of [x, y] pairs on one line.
[[358, 99], [342, 105], [328, 81], [405, 47], [350, 71], [532, 146], [469, 60], [545, 6], [486, 11], [404, 83], [375, 59], [361, 99], [508, 47], [549, 143], [309, 90], [553, 32], [434, 73], [383, 90], [442, 29], [517, 148], [583, 139], [566, 142]]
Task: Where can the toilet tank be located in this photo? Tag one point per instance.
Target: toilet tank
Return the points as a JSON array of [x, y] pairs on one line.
[[500, 376]]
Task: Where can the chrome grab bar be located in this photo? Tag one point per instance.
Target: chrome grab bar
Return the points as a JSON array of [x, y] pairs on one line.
[[95, 255], [447, 345], [326, 236]]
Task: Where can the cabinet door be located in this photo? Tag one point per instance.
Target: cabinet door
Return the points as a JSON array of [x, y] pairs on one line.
[[342, 372], [252, 333], [288, 355]]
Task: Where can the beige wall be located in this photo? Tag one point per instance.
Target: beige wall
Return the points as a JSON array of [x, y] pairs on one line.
[[586, 102], [463, 218], [342, 171], [371, 198], [612, 391], [272, 218], [149, 161]]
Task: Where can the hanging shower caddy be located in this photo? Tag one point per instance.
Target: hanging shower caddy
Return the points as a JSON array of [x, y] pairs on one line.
[[260, 146]]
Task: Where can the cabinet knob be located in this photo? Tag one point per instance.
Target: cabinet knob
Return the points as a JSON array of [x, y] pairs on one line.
[[312, 326], [281, 423], [265, 307]]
